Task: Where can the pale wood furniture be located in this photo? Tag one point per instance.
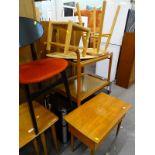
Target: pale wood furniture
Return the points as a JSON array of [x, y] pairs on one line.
[[70, 28], [126, 65], [83, 85], [92, 121], [79, 86], [45, 119], [97, 36]]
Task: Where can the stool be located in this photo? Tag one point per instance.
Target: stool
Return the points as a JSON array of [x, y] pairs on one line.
[[45, 120], [93, 121]]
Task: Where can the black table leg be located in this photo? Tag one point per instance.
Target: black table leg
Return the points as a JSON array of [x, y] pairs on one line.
[[66, 84], [118, 128]]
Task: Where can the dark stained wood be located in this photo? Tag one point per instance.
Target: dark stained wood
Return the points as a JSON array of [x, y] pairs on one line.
[[125, 72]]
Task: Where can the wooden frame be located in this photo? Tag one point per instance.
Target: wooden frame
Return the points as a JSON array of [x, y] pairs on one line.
[[69, 27], [84, 85]]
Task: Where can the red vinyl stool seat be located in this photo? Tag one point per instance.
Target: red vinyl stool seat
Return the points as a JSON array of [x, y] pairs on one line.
[[40, 70]]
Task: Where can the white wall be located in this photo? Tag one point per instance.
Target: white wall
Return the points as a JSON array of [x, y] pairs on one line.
[[82, 2], [50, 9], [116, 40]]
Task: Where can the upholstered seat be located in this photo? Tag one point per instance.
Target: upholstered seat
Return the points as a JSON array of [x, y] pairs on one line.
[[40, 70]]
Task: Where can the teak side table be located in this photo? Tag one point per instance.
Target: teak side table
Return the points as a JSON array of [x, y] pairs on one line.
[[92, 121]]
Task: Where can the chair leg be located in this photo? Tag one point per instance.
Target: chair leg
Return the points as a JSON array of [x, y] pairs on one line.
[[31, 109], [35, 145], [72, 142], [118, 128], [54, 138], [92, 152], [43, 141], [66, 84]]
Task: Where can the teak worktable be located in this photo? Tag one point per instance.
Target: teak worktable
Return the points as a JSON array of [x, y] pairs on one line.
[[83, 85]]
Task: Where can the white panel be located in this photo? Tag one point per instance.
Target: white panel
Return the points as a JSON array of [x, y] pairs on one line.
[[102, 66], [120, 23], [116, 40], [47, 9]]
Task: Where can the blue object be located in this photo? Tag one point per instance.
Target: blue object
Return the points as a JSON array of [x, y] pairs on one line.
[[30, 31]]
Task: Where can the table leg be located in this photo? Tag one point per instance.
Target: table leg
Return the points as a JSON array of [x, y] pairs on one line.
[[72, 142], [109, 67], [68, 37], [66, 84], [118, 128]]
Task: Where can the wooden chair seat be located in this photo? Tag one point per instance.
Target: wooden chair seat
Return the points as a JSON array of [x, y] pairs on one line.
[[44, 118], [40, 70]]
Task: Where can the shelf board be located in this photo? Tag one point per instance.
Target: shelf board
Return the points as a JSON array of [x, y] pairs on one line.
[[89, 85]]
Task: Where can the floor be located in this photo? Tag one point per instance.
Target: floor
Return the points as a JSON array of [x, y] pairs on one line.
[[124, 144]]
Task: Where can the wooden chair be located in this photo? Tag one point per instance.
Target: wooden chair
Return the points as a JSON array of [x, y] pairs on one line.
[[97, 36], [38, 70], [69, 46], [45, 120]]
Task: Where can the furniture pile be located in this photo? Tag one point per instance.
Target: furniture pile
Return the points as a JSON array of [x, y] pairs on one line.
[[104, 112]]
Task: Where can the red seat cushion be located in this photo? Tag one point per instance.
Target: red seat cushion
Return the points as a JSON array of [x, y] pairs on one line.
[[39, 70]]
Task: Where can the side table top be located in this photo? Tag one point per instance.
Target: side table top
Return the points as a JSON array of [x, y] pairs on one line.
[[98, 116]]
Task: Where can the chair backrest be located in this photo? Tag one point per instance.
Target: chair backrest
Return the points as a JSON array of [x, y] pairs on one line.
[[30, 31]]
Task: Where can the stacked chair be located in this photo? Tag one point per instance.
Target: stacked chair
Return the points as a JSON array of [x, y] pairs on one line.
[[81, 85]]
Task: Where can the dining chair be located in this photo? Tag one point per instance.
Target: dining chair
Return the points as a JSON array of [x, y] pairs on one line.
[[38, 70]]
